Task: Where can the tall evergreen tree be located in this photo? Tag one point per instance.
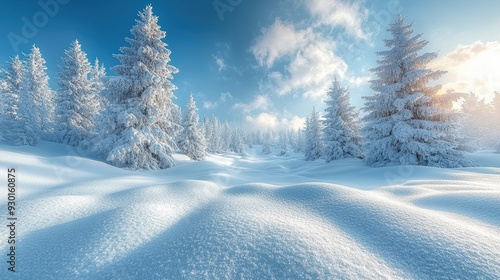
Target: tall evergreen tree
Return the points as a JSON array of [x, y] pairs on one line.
[[283, 143], [313, 148], [237, 140], [35, 86], [139, 123], [11, 89], [266, 143], [78, 102], [192, 141], [341, 133], [496, 107], [98, 82], [405, 124], [19, 107]]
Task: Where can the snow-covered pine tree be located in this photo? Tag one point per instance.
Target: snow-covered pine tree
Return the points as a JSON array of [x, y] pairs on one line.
[[496, 107], [215, 131], [237, 140], [226, 137], [11, 89], [3, 94], [98, 82], [10, 84], [192, 141], [283, 143], [341, 132], [266, 143], [138, 123], [313, 148], [404, 123], [177, 119], [298, 141], [19, 107], [35, 86], [78, 97], [475, 124]]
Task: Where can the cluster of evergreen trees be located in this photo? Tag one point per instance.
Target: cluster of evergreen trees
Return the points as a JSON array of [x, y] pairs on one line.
[[406, 121], [129, 120]]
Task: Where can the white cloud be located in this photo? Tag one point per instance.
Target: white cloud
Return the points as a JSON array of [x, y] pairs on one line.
[[225, 96], [311, 62], [261, 102], [472, 68], [339, 13], [209, 105], [265, 121], [278, 40], [221, 64]]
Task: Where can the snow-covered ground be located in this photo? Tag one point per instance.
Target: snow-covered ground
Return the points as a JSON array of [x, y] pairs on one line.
[[252, 216]]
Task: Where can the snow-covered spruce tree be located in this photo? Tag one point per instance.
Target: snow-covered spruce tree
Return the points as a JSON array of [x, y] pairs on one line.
[[226, 137], [138, 122], [77, 100], [283, 143], [192, 141], [19, 121], [266, 143], [496, 107], [98, 82], [11, 89], [35, 86], [177, 119], [341, 132], [313, 148], [214, 132], [404, 123], [476, 124], [237, 140]]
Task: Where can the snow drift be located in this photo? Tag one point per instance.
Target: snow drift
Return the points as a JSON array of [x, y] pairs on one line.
[[253, 216]]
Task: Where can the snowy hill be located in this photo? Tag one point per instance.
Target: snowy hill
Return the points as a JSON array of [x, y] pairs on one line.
[[253, 216]]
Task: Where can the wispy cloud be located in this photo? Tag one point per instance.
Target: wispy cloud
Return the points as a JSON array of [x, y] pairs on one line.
[[223, 98], [472, 68], [278, 40], [221, 64], [339, 13], [266, 121], [260, 102], [309, 57]]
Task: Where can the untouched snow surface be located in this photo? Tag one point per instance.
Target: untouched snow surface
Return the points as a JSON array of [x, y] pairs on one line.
[[251, 216]]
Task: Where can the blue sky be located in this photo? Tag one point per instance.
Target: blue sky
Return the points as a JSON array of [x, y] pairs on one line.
[[266, 63]]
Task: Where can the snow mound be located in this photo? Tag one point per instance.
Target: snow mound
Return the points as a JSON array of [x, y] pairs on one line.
[[212, 220]]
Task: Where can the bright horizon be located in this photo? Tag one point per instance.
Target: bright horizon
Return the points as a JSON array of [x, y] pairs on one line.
[[266, 64]]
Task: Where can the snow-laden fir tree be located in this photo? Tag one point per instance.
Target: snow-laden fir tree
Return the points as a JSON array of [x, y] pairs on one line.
[[313, 147], [226, 137], [77, 100], [19, 108], [496, 107], [192, 141], [404, 123], [98, 82], [213, 134], [341, 132], [267, 143], [477, 126], [177, 119], [283, 142], [138, 123], [237, 140], [35, 86], [10, 86]]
